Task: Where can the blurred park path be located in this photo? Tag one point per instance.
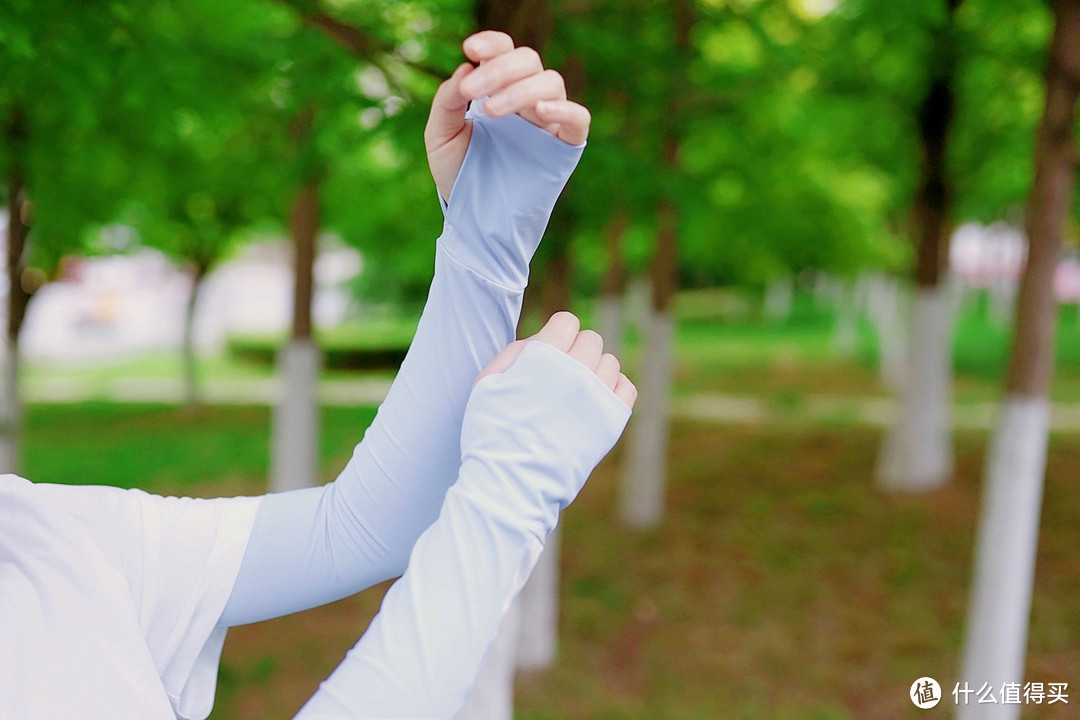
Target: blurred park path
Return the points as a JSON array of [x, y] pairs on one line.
[[701, 407], [843, 409]]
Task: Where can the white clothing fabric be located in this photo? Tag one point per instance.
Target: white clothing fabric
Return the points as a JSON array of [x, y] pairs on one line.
[[531, 437], [110, 599]]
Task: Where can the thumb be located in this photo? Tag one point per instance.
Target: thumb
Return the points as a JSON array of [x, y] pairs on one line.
[[447, 109]]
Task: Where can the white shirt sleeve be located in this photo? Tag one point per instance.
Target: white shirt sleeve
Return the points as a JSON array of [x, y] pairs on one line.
[[179, 558], [313, 546], [531, 437]]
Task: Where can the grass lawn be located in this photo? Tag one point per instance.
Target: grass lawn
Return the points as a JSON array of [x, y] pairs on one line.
[[165, 449], [782, 586]]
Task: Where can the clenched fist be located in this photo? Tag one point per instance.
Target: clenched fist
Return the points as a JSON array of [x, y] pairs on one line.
[[514, 81]]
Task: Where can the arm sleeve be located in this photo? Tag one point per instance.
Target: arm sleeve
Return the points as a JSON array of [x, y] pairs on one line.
[[313, 546], [531, 437]]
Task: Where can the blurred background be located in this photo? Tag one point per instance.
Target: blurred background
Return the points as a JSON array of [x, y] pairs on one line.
[[834, 242]]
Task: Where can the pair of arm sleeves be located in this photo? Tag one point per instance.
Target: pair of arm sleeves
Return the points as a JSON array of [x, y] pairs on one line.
[[458, 486]]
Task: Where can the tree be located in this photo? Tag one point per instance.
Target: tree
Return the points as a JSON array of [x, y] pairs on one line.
[[641, 492], [59, 152], [1000, 606], [328, 55], [917, 452]]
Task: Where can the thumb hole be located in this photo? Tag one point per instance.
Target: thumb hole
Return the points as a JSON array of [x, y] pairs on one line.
[[502, 362]]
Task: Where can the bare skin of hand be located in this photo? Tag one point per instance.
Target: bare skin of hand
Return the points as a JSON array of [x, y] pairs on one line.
[[515, 81], [563, 332]]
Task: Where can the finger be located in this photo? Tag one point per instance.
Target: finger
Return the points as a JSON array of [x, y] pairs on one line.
[[447, 109], [625, 391], [560, 331], [502, 71], [486, 44], [608, 370], [573, 119], [587, 348], [502, 362], [547, 85]]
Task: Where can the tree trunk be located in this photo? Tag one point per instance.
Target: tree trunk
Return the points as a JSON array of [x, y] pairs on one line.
[[613, 289], [779, 297], [294, 463], [996, 636], [192, 394], [641, 492], [887, 307], [917, 452], [538, 639], [17, 302], [492, 696]]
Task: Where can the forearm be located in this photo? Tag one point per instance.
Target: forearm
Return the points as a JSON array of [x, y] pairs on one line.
[[420, 655], [533, 436], [317, 545], [314, 546]]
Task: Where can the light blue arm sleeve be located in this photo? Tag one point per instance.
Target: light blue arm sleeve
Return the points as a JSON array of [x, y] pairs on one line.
[[531, 437], [313, 546]]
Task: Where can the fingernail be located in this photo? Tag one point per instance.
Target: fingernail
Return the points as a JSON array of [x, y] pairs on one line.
[[495, 106], [543, 106]]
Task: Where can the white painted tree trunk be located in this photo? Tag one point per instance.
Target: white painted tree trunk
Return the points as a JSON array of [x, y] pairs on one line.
[[492, 697], [294, 458], [779, 297], [611, 323], [996, 639], [637, 302], [887, 307], [916, 455], [538, 639], [10, 409], [641, 492]]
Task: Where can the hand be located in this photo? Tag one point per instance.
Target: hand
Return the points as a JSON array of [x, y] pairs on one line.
[[515, 81], [563, 332]]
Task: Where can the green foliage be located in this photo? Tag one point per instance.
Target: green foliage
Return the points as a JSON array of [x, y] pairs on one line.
[[796, 130]]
